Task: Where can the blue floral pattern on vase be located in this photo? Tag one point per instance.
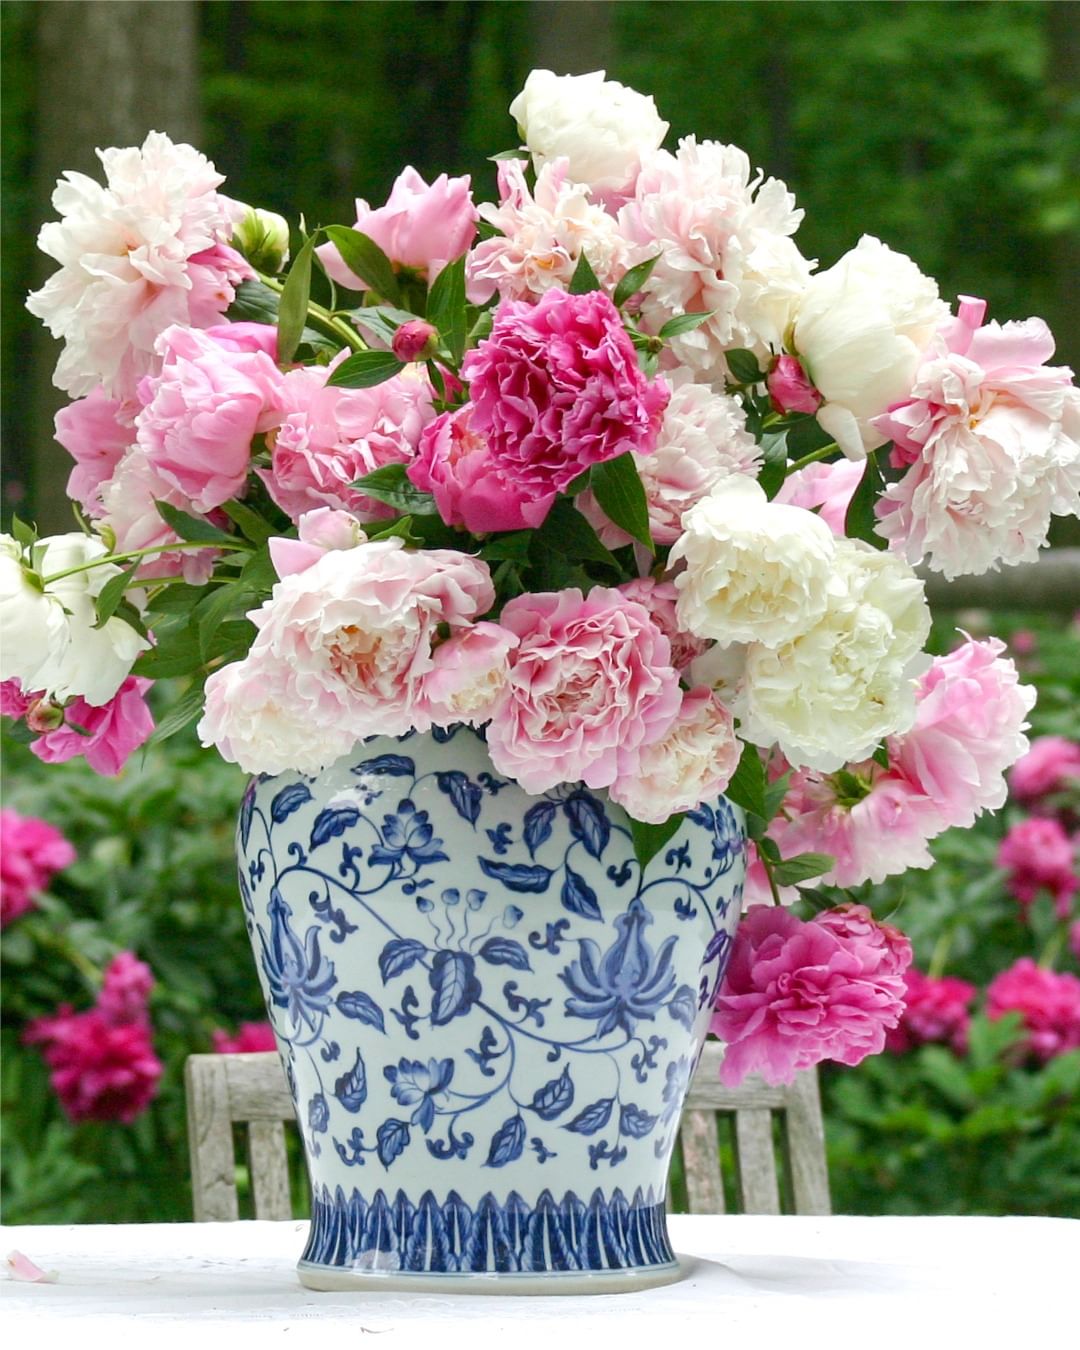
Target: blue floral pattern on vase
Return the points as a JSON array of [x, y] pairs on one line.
[[489, 1015]]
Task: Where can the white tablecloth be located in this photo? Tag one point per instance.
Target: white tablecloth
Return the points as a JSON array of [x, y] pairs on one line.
[[750, 1283]]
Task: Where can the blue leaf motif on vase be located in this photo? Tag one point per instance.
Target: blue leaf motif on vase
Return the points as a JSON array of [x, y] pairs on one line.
[[635, 1123], [537, 823], [588, 822], [676, 1081], [391, 1138], [593, 1118], [413, 1083], [517, 876], [408, 834], [391, 766], [625, 984], [299, 977], [578, 896], [454, 986], [351, 1088], [501, 951], [683, 1006], [553, 1098], [398, 956], [288, 800], [506, 1143], [318, 1115], [463, 792], [332, 822], [362, 1008]]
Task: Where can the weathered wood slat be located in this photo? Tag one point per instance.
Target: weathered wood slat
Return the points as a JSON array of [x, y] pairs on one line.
[[701, 1162], [269, 1166], [213, 1165], [758, 1184], [257, 1087], [804, 1135]]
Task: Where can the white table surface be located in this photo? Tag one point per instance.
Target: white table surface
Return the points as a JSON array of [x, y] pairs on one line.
[[751, 1283]]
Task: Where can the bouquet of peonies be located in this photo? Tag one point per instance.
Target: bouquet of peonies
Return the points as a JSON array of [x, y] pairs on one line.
[[606, 468]]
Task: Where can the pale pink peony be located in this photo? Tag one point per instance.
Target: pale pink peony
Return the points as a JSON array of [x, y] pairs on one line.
[[455, 465], [320, 531], [790, 389], [970, 718], [1048, 1002], [591, 684], [125, 990], [202, 412], [31, 853], [1049, 767], [937, 1012], [468, 675], [724, 239], [1038, 855], [659, 598], [796, 993], [105, 736], [826, 488], [251, 1038], [329, 437], [702, 439], [990, 438], [556, 388], [144, 252], [128, 508], [96, 431], [691, 764], [246, 337], [542, 235], [422, 227]]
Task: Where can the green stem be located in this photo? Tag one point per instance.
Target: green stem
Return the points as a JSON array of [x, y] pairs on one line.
[[940, 956], [772, 880], [1052, 950], [322, 319], [811, 458], [173, 547]]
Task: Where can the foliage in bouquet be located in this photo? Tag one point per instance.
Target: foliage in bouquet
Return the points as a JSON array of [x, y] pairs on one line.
[[606, 468]]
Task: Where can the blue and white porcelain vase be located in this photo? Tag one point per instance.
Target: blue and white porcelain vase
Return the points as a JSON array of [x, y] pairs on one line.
[[488, 1015]]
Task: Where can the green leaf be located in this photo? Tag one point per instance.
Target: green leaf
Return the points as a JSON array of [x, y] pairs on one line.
[[566, 534], [775, 793], [293, 305], [802, 867], [634, 279], [747, 786], [253, 526], [650, 839], [744, 366], [381, 321], [362, 370], [112, 594], [258, 573], [774, 453], [362, 256], [174, 656], [584, 279], [446, 307], [400, 528], [184, 711], [617, 488], [685, 323], [194, 529], [254, 303], [580, 483], [176, 598], [519, 153], [859, 520], [213, 611], [513, 547], [391, 485], [24, 534]]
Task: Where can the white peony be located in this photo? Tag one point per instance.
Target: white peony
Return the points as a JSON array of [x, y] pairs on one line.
[[754, 571], [50, 641], [831, 694], [602, 127], [860, 330]]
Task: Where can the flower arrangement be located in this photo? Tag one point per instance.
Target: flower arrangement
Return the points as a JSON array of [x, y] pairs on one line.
[[605, 468]]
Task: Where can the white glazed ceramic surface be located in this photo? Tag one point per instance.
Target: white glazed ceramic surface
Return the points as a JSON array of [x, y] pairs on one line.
[[489, 1016]]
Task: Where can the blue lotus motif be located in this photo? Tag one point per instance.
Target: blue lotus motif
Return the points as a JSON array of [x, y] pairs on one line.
[[300, 978], [627, 983], [413, 1083], [408, 834]]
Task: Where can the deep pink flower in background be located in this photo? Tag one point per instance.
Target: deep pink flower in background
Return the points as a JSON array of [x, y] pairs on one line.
[[796, 993], [556, 388], [937, 1011], [105, 736], [1047, 1000], [125, 990], [421, 226], [1038, 855], [1051, 765], [96, 431], [250, 1038], [590, 684], [31, 853]]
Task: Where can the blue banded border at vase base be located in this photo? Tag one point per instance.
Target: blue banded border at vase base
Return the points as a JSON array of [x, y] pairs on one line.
[[569, 1246]]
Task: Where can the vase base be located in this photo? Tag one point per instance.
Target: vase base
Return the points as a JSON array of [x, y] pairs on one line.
[[330, 1279]]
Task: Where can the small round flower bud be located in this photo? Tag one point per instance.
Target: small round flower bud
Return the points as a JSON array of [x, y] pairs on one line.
[[263, 238], [789, 387], [43, 715], [416, 340]]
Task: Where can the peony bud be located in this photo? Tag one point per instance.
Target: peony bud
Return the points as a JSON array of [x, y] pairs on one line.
[[789, 387], [263, 238], [43, 716], [416, 340]]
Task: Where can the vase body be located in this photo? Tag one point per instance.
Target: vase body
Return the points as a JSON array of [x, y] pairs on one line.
[[488, 1015]]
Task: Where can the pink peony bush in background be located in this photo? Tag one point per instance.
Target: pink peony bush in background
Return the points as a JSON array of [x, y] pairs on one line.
[[31, 853]]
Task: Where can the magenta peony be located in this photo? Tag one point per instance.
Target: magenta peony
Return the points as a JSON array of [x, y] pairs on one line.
[[31, 853], [1048, 1001], [1050, 766], [1038, 855], [125, 989], [937, 1011], [100, 1070], [591, 683], [796, 993], [105, 736], [790, 390], [556, 388], [250, 1039]]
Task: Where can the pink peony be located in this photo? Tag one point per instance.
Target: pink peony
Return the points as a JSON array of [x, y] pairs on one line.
[[13, 702], [969, 728], [202, 413], [129, 508], [1048, 1002], [105, 736], [328, 437], [796, 993], [468, 675], [1050, 766], [101, 1070], [937, 1011], [125, 990], [454, 464], [251, 1038], [591, 684], [31, 852], [246, 337], [96, 431], [659, 598], [556, 388], [790, 389], [990, 439], [826, 488], [1038, 855], [320, 531], [420, 227], [416, 340], [692, 764]]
